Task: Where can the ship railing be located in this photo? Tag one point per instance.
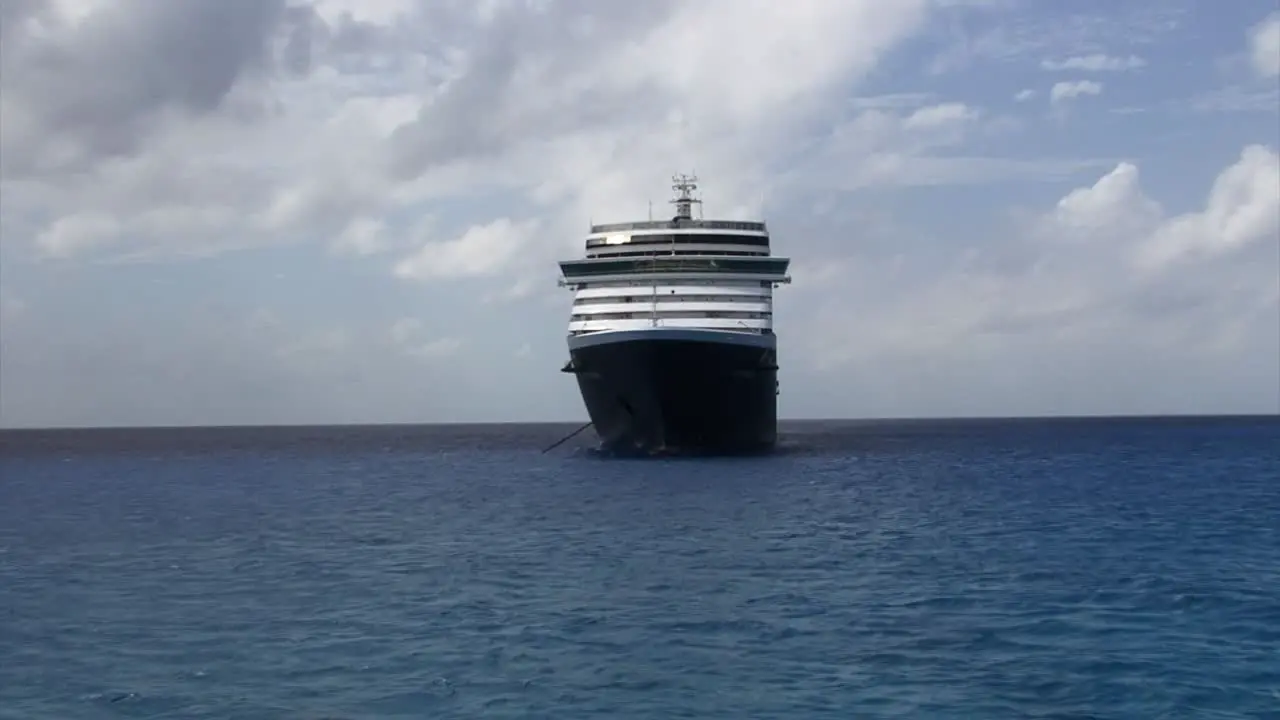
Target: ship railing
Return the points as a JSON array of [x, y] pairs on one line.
[[763, 264], [663, 224], [578, 282]]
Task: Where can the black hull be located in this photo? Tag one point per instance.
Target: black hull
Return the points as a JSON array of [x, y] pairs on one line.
[[680, 394]]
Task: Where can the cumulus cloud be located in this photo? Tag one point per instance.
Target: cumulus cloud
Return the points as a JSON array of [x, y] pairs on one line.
[[937, 116], [481, 250], [1243, 209], [905, 146], [1106, 272], [1115, 204], [160, 149], [1264, 46], [168, 172], [545, 99], [1072, 89], [71, 97]]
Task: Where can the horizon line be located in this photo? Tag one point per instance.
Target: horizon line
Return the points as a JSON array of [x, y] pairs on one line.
[[475, 423]]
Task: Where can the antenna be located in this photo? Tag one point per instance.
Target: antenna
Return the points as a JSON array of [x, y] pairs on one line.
[[684, 185]]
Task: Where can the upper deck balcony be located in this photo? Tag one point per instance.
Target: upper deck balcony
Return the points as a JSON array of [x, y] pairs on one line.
[[682, 224]]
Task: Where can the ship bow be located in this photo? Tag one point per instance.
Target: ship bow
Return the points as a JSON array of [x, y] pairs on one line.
[[683, 392]]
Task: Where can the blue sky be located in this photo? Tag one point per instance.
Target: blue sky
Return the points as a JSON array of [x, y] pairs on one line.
[[341, 211]]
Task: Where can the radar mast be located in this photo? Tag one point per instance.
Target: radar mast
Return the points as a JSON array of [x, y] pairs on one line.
[[684, 185]]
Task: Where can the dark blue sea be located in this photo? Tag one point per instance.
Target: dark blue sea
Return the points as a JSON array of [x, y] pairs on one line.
[[1122, 568]]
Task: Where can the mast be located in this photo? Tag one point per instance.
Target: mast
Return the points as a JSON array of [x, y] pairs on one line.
[[684, 185]]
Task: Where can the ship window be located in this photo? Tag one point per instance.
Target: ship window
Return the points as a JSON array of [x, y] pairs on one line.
[[670, 314], [688, 238], [669, 253], [587, 268], [669, 296], [672, 238]]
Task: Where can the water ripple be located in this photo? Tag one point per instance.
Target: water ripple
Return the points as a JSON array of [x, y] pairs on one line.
[[1127, 572]]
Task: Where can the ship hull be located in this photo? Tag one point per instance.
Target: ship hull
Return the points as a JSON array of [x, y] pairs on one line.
[[680, 392]]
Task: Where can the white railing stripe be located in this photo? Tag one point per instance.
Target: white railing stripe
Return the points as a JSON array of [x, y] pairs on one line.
[[637, 324], [743, 290], [668, 306]]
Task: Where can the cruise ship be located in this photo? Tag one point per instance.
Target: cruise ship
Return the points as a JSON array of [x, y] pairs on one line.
[[671, 335]]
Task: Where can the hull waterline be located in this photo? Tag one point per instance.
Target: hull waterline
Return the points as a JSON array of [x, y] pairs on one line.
[[688, 396]]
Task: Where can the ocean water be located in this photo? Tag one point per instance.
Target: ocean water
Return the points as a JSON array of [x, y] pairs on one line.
[[1003, 569]]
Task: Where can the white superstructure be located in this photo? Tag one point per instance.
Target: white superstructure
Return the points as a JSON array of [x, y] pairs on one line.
[[680, 273]]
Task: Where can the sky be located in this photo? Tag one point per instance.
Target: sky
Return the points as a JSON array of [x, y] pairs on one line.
[[350, 211]]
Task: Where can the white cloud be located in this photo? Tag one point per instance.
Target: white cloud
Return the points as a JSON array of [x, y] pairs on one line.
[[1070, 90], [1115, 205], [896, 148], [481, 250], [374, 12], [362, 236], [1264, 46], [330, 151], [938, 116], [551, 118], [74, 233], [1105, 266], [1096, 62], [1243, 208]]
